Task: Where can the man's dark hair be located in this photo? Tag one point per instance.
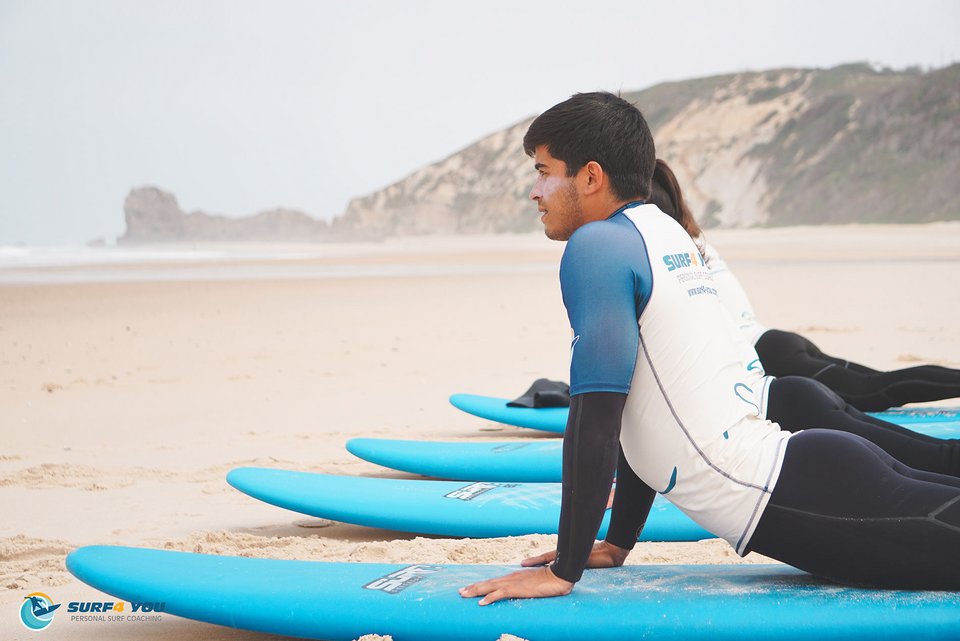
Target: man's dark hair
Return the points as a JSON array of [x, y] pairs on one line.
[[601, 127]]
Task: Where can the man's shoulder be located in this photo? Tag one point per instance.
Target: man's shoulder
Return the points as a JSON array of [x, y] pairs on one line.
[[611, 232], [605, 245]]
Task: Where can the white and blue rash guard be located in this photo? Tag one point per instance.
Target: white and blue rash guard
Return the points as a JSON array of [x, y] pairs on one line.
[[647, 323], [733, 295], [740, 312]]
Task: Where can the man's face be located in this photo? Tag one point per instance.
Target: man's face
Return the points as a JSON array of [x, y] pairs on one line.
[[556, 196]]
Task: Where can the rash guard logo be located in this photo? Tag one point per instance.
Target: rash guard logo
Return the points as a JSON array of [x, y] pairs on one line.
[[673, 481], [739, 389], [679, 261]]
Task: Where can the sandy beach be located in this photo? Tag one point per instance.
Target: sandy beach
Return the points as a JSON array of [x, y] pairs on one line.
[[127, 392]]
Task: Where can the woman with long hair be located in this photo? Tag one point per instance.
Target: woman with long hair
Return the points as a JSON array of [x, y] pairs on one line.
[[784, 353]]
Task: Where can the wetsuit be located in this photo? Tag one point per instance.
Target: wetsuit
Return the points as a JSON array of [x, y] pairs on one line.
[[796, 403], [789, 354], [653, 377]]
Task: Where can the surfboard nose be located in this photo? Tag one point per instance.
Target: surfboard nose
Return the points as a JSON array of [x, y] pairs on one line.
[[237, 477], [82, 557]]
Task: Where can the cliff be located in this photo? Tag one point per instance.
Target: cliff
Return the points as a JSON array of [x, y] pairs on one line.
[[154, 216]]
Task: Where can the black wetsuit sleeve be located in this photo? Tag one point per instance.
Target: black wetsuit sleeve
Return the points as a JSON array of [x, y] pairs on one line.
[[631, 506], [591, 444]]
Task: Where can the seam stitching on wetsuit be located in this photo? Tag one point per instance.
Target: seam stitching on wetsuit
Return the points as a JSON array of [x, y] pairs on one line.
[[683, 428], [943, 507], [872, 519], [756, 507], [765, 399], [821, 371]]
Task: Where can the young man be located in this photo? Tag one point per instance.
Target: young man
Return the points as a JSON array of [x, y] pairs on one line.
[[656, 367]]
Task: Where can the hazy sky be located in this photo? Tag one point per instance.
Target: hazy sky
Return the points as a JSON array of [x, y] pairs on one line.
[[239, 106]]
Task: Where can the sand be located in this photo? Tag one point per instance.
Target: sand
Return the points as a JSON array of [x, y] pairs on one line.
[[124, 401]]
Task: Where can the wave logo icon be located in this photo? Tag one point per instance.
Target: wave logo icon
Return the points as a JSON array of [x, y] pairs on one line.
[[36, 611]]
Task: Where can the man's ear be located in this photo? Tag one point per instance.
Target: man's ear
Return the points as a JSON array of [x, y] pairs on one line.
[[593, 178]]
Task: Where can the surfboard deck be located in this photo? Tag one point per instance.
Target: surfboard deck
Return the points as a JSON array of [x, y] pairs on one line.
[[548, 419], [498, 461], [516, 461], [447, 508], [342, 601], [941, 422]]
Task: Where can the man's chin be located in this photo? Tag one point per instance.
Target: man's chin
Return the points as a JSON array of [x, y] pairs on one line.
[[556, 234]]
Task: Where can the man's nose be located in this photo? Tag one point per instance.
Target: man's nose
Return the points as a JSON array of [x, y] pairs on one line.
[[534, 193]]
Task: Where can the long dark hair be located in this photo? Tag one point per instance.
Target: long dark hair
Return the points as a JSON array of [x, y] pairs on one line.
[[665, 194]]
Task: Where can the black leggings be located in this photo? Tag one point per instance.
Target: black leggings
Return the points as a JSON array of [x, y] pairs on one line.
[[788, 354], [845, 510], [797, 403]]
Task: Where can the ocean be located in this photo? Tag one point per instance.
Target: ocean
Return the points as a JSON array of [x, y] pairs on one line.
[[36, 265]]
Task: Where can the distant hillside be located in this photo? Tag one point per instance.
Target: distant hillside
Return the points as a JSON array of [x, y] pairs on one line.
[[780, 147]]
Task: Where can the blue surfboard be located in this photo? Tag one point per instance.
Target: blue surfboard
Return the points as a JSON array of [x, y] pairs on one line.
[[947, 417], [548, 419], [941, 422], [502, 461], [343, 601], [448, 508], [510, 461]]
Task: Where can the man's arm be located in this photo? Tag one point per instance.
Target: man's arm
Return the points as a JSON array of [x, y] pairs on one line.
[[631, 506], [605, 280], [590, 445]]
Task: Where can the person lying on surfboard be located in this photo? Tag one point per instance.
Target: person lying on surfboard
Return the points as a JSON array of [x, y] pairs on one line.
[[796, 402], [655, 366], [785, 353]]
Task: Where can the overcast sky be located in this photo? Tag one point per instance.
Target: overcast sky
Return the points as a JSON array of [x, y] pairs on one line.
[[238, 106]]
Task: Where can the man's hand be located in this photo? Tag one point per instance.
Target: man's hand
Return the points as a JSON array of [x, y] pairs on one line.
[[603, 555], [524, 584]]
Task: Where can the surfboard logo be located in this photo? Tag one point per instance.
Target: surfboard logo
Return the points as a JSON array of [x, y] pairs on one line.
[[509, 447], [472, 491], [402, 579], [36, 611]]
